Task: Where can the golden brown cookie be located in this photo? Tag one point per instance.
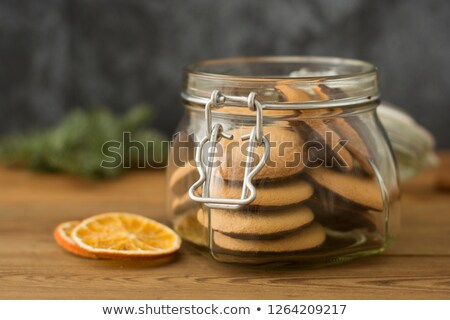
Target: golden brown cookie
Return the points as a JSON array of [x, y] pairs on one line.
[[344, 218], [182, 178], [285, 159], [273, 114], [319, 126], [182, 204], [325, 93], [291, 93], [310, 237], [363, 191], [190, 229], [257, 225], [271, 194], [333, 141], [355, 144]]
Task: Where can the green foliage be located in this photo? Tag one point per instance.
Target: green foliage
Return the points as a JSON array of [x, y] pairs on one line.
[[75, 145]]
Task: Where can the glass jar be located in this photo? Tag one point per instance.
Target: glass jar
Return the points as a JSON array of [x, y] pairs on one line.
[[283, 160]]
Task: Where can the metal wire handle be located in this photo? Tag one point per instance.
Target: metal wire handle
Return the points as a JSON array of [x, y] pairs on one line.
[[213, 135]]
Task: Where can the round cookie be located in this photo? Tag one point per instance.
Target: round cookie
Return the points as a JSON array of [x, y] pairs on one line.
[[190, 229], [336, 217], [290, 93], [355, 143], [244, 111], [182, 204], [310, 237], [258, 225], [326, 93], [359, 190], [319, 126], [272, 194], [332, 140], [285, 158], [182, 178]]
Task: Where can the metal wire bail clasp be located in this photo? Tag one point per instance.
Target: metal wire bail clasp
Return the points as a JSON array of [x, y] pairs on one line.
[[213, 135]]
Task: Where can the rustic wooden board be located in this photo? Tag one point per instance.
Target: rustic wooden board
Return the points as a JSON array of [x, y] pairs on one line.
[[32, 266]]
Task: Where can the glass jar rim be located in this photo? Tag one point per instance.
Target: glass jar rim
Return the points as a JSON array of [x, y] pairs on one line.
[[199, 67], [351, 81]]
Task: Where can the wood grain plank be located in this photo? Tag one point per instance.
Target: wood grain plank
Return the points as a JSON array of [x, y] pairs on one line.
[[194, 276]]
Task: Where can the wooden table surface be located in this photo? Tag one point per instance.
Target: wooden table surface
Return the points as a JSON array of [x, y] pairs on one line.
[[32, 266]]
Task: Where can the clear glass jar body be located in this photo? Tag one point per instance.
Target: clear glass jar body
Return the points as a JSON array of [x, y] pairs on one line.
[[328, 190]]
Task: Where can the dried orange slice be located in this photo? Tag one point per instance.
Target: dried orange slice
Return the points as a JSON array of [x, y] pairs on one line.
[[62, 237], [125, 236]]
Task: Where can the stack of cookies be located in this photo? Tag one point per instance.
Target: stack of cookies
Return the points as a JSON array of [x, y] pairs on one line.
[[182, 174], [278, 220]]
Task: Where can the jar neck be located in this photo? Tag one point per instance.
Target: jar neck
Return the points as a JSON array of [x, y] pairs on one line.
[[284, 83]]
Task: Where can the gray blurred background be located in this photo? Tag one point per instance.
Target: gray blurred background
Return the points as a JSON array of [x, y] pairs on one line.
[[61, 54]]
